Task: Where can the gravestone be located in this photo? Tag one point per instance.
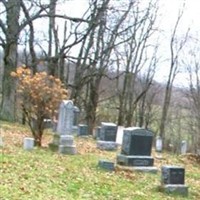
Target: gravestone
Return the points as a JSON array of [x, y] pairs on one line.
[[137, 141], [120, 133], [108, 131], [173, 180], [82, 129], [107, 145], [183, 147], [76, 120], [158, 144], [136, 149], [47, 123], [97, 133], [107, 136], [29, 143], [63, 138], [65, 118], [76, 116]]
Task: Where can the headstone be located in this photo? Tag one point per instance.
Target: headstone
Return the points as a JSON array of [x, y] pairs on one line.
[[108, 131], [65, 118], [107, 145], [120, 133], [172, 175], [183, 147], [82, 129], [48, 123], [97, 133], [76, 116], [76, 120], [137, 141], [159, 144], [66, 145], [29, 143], [173, 180], [107, 136], [105, 164], [136, 149], [63, 138]]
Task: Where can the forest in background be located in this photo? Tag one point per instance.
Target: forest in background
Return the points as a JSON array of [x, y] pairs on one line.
[[111, 76]]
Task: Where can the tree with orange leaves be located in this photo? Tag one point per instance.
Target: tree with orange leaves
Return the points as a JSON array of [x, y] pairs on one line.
[[40, 96]]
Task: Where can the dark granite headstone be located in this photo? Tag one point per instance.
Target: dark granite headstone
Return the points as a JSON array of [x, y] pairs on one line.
[[108, 132], [82, 129], [97, 132], [136, 148], [76, 116], [173, 175], [135, 160], [137, 141]]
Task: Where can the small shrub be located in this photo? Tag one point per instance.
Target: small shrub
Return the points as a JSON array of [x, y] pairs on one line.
[[40, 95]]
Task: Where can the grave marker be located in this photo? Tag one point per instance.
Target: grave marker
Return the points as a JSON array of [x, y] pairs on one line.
[[29, 143], [82, 129], [108, 131], [183, 147], [63, 138], [173, 180], [107, 136], [65, 118], [136, 149]]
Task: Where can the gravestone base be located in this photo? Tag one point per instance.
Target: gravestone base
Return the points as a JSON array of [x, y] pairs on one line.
[[69, 150], [53, 147], [107, 145], [150, 169], [75, 130], [175, 189], [137, 161], [105, 164], [64, 144]]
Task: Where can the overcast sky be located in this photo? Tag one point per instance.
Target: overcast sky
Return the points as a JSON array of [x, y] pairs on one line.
[[169, 11]]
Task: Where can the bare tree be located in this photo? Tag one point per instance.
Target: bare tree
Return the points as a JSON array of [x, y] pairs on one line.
[[11, 26], [193, 96], [134, 58], [10, 29], [95, 54], [175, 49]]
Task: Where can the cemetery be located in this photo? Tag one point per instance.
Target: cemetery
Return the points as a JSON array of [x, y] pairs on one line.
[[99, 100], [70, 164]]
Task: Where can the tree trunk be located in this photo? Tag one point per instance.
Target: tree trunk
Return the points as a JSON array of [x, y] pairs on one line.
[[10, 60]]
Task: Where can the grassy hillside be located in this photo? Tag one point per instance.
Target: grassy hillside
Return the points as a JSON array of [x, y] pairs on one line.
[[43, 175]]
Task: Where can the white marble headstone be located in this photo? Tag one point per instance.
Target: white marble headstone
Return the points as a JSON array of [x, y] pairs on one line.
[[183, 147], [158, 144], [28, 143], [65, 118]]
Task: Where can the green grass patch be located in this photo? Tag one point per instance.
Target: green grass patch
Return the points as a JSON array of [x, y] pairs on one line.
[[44, 175]]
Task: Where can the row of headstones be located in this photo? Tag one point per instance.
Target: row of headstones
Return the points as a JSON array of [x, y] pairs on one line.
[[136, 155], [172, 177], [106, 135], [159, 145]]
